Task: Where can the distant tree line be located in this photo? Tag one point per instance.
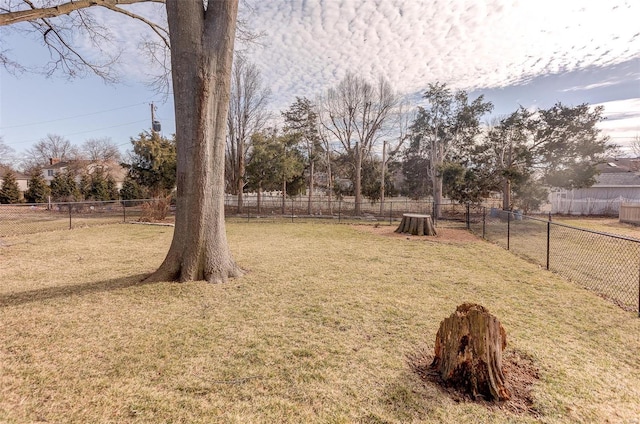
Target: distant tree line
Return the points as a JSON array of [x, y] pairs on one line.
[[363, 141], [87, 174], [356, 139]]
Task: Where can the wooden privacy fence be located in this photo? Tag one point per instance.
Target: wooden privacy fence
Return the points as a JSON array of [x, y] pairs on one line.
[[630, 213]]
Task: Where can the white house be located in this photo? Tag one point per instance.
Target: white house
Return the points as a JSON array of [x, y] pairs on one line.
[[618, 182], [21, 179], [81, 167]]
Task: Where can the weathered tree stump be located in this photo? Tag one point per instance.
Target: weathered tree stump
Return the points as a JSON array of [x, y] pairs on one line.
[[468, 352], [417, 225]]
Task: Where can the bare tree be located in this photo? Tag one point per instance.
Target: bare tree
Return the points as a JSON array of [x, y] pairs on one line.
[[100, 149], [326, 157], [6, 153], [403, 118], [52, 147], [355, 113], [63, 27], [202, 36], [247, 115]]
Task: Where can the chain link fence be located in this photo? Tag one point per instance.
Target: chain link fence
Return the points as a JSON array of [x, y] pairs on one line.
[[608, 264], [17, 219], [301, 208]]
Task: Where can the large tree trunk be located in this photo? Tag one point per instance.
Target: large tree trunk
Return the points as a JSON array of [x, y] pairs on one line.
[[329, 183], [383, 169], [311, 184], [435, 162], [259, 200], [241, 172], [284, 195], [506, 195], [202, 51], [468, 352], [417, 225], [358, 180], [437, 196]]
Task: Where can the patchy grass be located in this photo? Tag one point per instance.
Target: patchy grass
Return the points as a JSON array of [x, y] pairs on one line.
[[319, 330], [604, 225], [606, 262]]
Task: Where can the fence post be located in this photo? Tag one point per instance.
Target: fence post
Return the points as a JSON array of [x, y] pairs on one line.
[[292, 209], [390, 213], [124, 212], [339, 209], [69, 215], [548, 241], [508, 228]]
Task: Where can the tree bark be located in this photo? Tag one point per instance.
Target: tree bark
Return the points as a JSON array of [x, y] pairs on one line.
[[241, 173], [61, 9], [468, 352], [506, 195], [202, 50], [358, 179], [311, 184], [417, 225], [259, 198]]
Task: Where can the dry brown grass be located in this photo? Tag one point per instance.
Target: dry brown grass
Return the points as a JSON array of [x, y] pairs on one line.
[[604, 225], [318, 330], [599, 258]]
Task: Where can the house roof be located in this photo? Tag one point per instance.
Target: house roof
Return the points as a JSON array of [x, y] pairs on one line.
[[113, 168], [619, 165], [71, 163], [618, 179], [19, 175]]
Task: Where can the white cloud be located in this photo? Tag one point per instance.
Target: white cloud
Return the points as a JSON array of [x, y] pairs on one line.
[[467, 43], [622, 121], [125, 37]]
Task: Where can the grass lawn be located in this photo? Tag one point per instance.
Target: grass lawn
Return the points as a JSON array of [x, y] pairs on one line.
[[606, 263], [319, 330], [604, 225]]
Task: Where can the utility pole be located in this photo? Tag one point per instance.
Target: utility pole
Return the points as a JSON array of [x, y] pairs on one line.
[[155, 125]]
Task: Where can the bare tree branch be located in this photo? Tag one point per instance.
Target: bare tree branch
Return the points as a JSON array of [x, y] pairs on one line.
[[61, 22], [160, 31], [9, 17]]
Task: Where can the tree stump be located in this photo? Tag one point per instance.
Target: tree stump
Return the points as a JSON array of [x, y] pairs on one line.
[[417, 225], [468, 352]]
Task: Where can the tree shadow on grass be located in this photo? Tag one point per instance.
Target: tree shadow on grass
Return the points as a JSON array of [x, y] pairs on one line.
[[48, 293]]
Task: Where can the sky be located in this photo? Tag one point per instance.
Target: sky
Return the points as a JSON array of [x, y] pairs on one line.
[[515, 53]]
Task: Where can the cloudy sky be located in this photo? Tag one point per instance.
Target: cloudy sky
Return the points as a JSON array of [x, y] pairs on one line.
[[529, 53]]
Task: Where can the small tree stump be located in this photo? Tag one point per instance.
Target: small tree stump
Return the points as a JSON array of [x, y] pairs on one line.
[[417, 225], [468, 352]]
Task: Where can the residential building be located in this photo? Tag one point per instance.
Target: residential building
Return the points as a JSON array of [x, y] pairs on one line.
[[81, 167], [617, 183]]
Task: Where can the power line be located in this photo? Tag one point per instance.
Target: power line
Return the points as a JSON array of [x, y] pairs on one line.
[[84, 132], [71, 117]]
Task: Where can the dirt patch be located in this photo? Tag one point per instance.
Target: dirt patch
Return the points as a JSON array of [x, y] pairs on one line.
[[519, 371], [445, 235]]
